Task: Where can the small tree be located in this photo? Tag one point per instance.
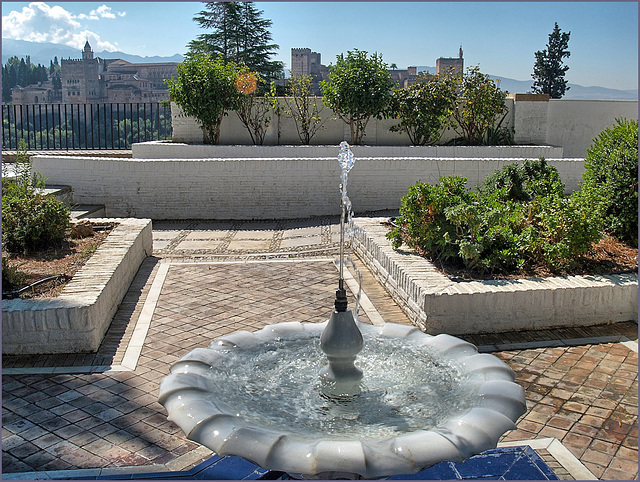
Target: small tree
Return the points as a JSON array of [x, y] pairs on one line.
[[206, 89], [548, 70], [479, 104], [304, 110], [424, 108], [253, 110], [359, 87]]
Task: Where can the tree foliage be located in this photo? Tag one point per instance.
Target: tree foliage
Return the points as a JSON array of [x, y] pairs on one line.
[[22, 72], [240, 35], [549, 69], [359, 87], [206, 89], [480, 103], [253, 110], [424, 108]]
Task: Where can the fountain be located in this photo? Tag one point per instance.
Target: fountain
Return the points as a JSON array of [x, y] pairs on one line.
[[411, 400]]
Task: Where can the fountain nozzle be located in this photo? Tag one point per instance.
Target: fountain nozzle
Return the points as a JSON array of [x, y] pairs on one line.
[[341, 298]]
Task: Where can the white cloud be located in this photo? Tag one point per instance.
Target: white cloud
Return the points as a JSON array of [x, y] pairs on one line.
[[39, 22]]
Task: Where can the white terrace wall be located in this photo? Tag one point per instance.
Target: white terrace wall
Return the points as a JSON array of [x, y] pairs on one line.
[[257, 188], [571, 124]]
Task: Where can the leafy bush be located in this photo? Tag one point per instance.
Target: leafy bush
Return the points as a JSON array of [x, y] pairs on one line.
[[30, 220], [12, 277], [610, 180], [424, 108], [302, 108], [206, 88], [423, 219], [519, 218], [524, 182], [480, 104], [359, 87]]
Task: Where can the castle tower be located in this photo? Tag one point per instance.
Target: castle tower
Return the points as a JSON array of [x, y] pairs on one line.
[[454, 66], [87, 53]]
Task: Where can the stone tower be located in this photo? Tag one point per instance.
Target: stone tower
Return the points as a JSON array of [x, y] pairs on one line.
[[81, 78], [451, 65]]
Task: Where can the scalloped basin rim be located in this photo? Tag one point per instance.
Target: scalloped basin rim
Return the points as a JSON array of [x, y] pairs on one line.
[[497, 406]]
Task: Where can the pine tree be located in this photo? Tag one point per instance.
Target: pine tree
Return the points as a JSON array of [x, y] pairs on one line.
[[239, 34], [548, 70]]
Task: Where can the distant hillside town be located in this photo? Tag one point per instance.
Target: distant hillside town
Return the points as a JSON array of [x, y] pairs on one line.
[[95, 80], [304, 61]]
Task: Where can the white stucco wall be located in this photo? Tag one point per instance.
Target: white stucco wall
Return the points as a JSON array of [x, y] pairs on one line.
[[257, 188], [573, 124]]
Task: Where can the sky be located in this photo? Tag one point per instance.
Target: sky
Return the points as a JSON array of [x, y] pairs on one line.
[[499, 37]]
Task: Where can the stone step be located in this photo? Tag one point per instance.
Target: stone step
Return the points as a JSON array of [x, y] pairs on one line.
[[88, 211], [63, 193]]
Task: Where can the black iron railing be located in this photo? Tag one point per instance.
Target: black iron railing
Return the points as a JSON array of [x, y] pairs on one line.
[[84, 126]]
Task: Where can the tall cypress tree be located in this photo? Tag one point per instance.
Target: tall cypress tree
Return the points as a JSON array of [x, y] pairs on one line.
[[239, 34], [549, 70]]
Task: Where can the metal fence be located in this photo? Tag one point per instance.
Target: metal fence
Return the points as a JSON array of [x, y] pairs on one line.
[[84, 126]]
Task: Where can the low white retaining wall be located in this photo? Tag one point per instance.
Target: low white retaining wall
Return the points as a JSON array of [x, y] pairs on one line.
[[438, 305], [177, 150], [77, 320], [258, 188]]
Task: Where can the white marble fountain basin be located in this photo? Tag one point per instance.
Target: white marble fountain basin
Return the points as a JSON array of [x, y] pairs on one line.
[[192, 402]]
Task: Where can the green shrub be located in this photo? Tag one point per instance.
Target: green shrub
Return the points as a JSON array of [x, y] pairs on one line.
[[32, 222], [518, 219], [610, 180], [423, 108], [423, 223], [524, 182]]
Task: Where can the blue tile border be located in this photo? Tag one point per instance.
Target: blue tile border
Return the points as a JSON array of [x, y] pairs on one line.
[[506, 463]]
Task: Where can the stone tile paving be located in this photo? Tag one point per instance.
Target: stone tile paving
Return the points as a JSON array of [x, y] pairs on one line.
[[585, 395]]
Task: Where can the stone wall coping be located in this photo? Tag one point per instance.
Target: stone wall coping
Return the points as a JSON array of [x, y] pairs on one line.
[[439, 305], [77, 319]]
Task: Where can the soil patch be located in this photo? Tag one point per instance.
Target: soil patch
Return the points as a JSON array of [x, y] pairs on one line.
[[65, 260]]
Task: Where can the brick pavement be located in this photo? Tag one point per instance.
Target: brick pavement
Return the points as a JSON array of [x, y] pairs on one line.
[[583, 394]]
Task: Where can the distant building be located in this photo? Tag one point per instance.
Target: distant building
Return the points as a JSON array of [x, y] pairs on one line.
[[404, 77], [40, 93], [306, 62], [453, 65], [97, 80]]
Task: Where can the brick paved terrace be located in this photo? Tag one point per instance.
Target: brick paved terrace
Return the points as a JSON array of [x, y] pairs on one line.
[[81, 412]]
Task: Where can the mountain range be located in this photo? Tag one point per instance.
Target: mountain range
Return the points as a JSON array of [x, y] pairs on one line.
[[43, 53]]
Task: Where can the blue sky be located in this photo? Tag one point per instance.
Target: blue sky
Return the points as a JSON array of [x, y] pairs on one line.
[[500, 37]]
